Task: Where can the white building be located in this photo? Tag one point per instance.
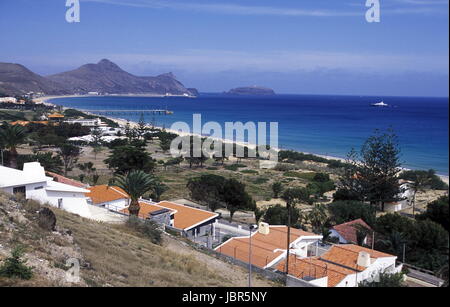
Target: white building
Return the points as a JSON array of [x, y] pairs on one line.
[[8, 99], [110, 197], [342, 266], [405, 197], [34, 184], [268, 245], [94, 122]]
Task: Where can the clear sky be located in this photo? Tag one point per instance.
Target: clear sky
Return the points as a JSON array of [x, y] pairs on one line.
[[296, 46]]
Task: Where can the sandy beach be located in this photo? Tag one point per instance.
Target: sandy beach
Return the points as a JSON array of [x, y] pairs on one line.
[[123, 123]]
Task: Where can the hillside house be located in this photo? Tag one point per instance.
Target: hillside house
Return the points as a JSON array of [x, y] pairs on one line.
[[109, 197], [348, 232], [190, 222], [33, 183], [268, 245], [341, 266]]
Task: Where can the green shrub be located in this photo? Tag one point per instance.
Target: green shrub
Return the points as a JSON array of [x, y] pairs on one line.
[[31, 206], [284, 167], [249, 171], [307, 176], [260, 180], [234, 167], [146, 227], [14, 266]]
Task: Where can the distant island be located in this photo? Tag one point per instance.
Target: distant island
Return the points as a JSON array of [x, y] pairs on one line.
[[102, 78], [251, 90]]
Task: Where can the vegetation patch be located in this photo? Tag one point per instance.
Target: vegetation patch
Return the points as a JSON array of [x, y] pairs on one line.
[[307, 176], [234, 167]]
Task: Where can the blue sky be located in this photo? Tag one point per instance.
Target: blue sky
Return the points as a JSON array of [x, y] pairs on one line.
[[302, 46]]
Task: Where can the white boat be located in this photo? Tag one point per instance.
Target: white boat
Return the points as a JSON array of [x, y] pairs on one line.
[[380, 104]]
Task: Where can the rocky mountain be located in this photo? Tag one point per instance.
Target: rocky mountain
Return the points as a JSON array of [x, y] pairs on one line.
[[251, 90], [103, 77], [16, 79], [107, 77]]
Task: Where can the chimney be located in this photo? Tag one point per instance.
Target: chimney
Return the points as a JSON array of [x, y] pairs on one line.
[[34, 170], [263, 228], [363, 259]]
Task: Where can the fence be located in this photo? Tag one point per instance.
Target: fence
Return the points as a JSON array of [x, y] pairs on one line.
[[269, 274], [243, 255], [121, 211]]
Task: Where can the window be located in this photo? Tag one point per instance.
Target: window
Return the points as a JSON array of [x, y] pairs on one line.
[[39, 187]]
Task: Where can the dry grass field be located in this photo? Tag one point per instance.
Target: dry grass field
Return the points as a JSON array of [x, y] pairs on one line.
[[110, 255]]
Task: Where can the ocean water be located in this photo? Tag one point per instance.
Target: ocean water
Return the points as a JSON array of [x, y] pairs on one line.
[[327, 125]]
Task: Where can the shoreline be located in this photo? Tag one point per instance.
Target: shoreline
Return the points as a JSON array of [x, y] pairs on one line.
[[122, 122]]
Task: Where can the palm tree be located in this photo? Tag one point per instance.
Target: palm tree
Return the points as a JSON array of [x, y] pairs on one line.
[[10, 137], [318, 217], [135, 184], [395, 241]]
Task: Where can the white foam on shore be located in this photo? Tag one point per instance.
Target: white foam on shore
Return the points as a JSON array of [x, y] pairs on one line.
[[123, 122]]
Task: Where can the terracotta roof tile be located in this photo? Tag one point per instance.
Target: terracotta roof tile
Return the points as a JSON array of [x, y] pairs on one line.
[[347, 255], [186, 217], [349, 230], [146, 209], [315, 268], [265, 248], [104, 193], [65, 180], [337, 263]]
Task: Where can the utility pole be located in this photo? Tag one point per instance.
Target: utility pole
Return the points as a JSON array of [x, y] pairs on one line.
[[373, 239], [288, 237], [404, 252], [250, 256]]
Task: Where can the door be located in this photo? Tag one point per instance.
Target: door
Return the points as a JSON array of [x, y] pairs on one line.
[[20, 190]]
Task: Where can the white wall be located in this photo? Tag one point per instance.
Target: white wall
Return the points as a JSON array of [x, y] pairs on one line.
[[73, 202], [335, 234], [385, 264], [115, 205]]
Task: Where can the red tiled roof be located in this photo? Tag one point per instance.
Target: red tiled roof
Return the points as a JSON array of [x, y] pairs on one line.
[[104, 193], [65, 180], [315, 268], [265, 248], [349, 230], [146, 209], [336, 263], [347, 255], [185, 217]]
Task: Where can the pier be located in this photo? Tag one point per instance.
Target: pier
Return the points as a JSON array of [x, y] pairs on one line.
[[126, 112]]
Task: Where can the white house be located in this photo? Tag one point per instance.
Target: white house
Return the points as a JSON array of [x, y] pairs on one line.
[[8, 99], [342, 266], [110, 197], [268, 245], [94, 122], [34, 184], [405, 197], [348, 232]]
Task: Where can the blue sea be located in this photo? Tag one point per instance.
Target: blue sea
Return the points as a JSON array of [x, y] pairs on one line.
[[327, 125]]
